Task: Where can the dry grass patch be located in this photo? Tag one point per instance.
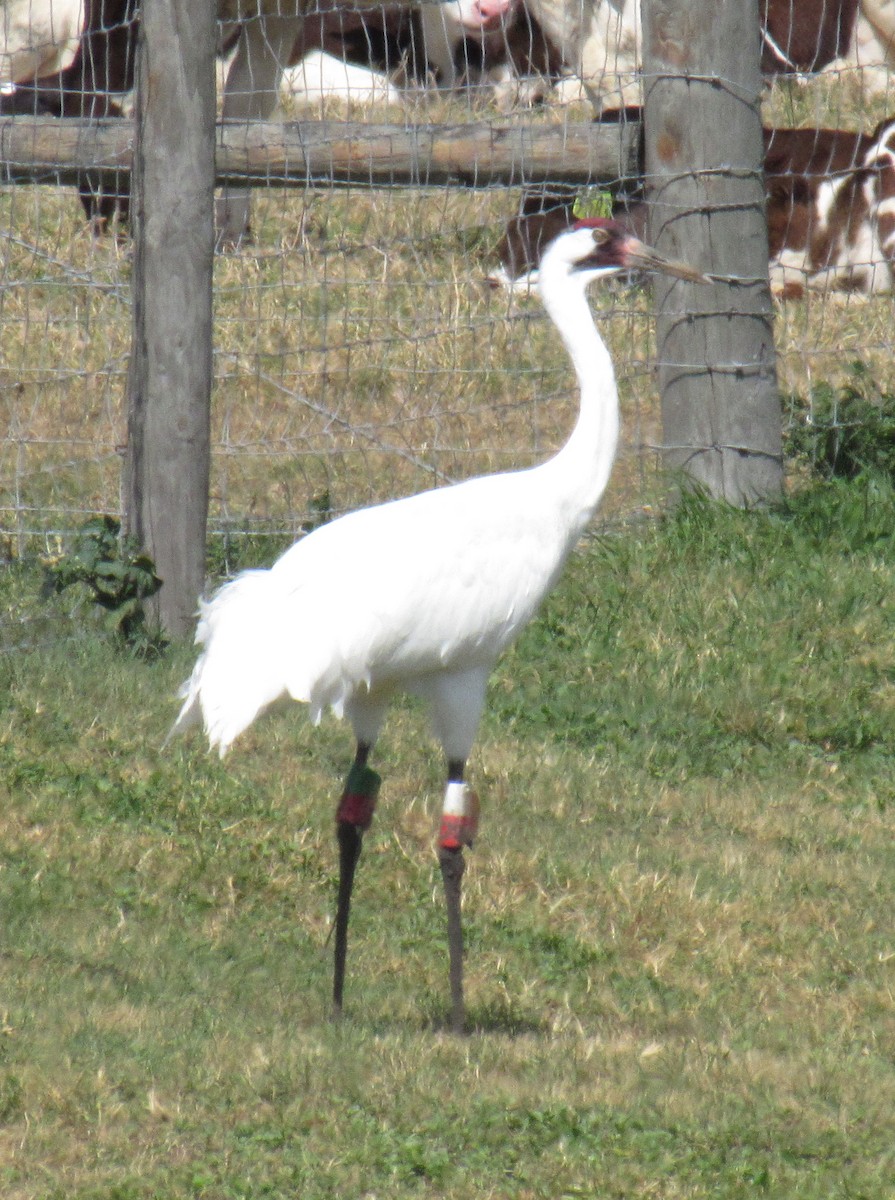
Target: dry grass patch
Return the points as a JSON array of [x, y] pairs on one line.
[[357, 355]]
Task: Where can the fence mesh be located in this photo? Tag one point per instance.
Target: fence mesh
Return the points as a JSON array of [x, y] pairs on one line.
[[358, 352]]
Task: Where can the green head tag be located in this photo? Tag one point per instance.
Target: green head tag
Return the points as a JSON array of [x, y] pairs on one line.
[[592, 202]]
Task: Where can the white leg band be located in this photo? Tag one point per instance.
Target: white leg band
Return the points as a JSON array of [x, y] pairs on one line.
[[455, 795]]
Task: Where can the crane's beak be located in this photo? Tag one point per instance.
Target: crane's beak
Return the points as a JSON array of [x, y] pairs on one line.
[[645, 258]]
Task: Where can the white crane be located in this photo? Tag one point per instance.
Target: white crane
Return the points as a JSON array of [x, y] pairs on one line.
[[422, 594]]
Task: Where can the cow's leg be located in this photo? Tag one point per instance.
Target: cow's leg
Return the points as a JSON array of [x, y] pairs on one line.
[[251, 94]]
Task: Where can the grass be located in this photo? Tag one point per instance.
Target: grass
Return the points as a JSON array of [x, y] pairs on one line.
[[678, 913], [356, 352]]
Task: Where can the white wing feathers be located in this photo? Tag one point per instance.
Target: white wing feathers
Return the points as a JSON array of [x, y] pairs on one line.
[[237, 676], [415, 586], [373, 601]]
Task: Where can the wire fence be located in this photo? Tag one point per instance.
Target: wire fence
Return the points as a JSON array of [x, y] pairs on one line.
[[359, 350]]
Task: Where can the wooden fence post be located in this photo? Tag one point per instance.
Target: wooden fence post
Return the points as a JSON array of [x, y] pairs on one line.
[[704, 156], [169, 381]]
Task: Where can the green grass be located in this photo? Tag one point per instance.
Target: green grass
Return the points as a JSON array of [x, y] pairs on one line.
[[680, 948], [678, 913]]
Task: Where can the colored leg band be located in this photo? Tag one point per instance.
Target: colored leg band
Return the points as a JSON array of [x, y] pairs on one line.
[[460, 818], [359, 798], [456, 831]]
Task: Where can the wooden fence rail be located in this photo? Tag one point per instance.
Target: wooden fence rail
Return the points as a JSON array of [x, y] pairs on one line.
[[299, 153]]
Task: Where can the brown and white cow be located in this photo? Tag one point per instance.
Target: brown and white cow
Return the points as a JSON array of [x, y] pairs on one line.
[[830, 206], [804, 35], [453, 44], [37, 37], [799, 34], [269, 36], [831, 210]]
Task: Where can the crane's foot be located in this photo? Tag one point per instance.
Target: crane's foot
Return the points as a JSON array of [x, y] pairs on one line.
[[353, 817]]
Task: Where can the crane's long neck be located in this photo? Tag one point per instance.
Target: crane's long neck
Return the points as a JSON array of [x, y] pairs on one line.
[[583, 465]]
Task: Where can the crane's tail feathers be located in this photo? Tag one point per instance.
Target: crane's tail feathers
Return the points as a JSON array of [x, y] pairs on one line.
[[240, 671]]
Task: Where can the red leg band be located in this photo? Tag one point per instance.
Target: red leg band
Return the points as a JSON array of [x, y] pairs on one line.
[[457, 831], [356, 810], [359, 798]]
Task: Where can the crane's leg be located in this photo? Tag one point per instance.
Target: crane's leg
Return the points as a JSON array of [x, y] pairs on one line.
[[353, 817], [459, 821]]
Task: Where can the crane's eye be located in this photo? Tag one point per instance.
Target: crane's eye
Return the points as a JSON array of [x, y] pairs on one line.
[[601, 236]]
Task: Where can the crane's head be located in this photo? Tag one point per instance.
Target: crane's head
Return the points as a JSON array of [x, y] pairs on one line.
[[599, 246]]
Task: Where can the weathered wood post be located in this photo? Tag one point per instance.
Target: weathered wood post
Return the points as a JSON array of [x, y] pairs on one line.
[[169, 382], [704, 155]]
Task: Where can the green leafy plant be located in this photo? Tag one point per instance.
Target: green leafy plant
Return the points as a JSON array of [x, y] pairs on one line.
[[118, 575], [320, 512], [843, 431]]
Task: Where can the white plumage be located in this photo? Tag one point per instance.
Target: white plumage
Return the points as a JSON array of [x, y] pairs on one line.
[[385, 598], [422, 594]]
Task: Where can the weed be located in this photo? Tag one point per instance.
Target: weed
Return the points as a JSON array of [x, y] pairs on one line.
[[320, 508], [118, 576], [843, 431]]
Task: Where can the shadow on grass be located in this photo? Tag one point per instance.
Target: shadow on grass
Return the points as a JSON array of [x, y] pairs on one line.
[[492, 1018], [433, 1017], [499, 1019]]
